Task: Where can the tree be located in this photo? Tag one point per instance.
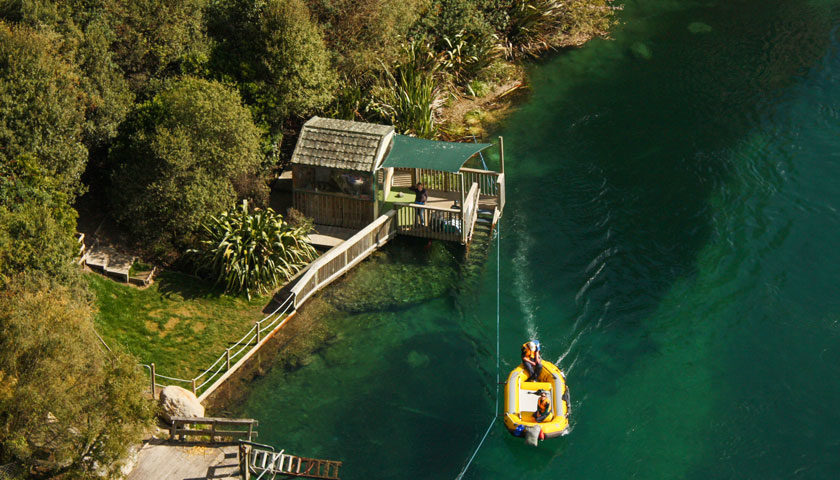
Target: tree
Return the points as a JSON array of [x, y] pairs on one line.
[[365, 34], [66, 403], [154, 36], [176, 159], [83, 37], [298, 79], [41, 107], [252, 253]]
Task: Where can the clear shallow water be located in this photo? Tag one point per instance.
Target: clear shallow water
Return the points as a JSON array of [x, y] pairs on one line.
[[672, 236]]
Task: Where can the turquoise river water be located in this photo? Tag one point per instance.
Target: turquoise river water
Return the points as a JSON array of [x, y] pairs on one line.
[[672, 237]]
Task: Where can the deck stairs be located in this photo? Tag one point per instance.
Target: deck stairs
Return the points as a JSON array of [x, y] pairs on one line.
[[475, 258], [267, 464]]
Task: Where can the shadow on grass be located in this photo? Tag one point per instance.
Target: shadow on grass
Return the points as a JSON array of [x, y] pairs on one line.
[[181, 286]]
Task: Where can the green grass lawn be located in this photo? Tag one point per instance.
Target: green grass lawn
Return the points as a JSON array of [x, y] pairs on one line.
[[180, 322]]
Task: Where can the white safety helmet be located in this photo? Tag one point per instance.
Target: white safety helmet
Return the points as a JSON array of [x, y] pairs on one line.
[[532, 346]]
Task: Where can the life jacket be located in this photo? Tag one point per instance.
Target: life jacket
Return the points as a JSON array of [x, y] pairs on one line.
[[527, 352], [543, 405]]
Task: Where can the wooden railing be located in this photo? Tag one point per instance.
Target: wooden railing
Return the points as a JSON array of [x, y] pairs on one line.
[[334, 209], [470, 213], [429, 222], [242, 428], [345, 256], [487, 180], [501, 183], [441, 181], [452, 224]]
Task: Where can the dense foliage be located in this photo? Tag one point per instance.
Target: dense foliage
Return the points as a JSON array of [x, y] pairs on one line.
[[176, 162], [66, 404], [41, 108], [252, 252]]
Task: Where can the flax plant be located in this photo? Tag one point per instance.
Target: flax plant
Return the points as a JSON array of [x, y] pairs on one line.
[[252, 252], [411, 92]]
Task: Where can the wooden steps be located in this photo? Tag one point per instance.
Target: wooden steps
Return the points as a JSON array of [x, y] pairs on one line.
[[265, 462]]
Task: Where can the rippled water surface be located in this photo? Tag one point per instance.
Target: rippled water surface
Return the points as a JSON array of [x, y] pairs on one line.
[[671, 235]]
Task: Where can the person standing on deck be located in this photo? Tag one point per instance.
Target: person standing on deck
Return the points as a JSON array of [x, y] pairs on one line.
[[420, 198], [532, 361]]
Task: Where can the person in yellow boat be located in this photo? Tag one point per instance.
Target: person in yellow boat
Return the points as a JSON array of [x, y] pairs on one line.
[[543, 406], [531, 360]]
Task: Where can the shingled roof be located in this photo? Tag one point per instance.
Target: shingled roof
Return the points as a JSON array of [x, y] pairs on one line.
[[327, 142]]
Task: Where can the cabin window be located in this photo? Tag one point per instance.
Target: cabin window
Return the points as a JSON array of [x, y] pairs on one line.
[[332, 180]]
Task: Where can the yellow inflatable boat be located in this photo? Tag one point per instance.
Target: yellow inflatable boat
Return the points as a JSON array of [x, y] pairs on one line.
[[521, 401]]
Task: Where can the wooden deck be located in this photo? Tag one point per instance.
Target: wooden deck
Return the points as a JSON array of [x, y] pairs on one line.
[[163, 461], [439, 199], [328, 236]]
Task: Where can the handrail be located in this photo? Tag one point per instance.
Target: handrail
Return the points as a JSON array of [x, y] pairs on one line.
[[470, 210], [338, 259], [431, 207], [179, 427], [370, 238], [478, 170]]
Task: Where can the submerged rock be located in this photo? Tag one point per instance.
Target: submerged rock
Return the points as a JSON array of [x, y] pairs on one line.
[[640, 50], [417, 359], [699, 27], [179, 402]]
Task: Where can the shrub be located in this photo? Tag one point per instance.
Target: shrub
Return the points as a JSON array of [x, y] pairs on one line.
[[66, 404], [410, 91], [364, 34], [177, 158], [252, 253]]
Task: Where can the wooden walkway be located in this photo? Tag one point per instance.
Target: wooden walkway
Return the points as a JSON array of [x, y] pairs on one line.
[[164, 461], [327, 236]]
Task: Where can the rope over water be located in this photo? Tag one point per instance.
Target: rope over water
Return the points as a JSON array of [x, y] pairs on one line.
[[496, 408]]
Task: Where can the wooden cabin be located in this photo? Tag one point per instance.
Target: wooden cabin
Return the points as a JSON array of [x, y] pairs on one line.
[[345, 174], [333, 171]]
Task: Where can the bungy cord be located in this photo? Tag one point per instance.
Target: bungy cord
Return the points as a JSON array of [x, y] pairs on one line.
[[496, 409]]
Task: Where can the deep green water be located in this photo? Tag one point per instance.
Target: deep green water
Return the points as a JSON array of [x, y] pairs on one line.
[[672, 236]]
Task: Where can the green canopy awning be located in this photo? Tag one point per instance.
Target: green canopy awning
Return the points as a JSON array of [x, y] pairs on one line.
[[411, 152]]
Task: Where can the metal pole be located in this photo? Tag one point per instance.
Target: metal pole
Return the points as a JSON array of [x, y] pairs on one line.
[[227, 358], [193, 386], [502, 153], [258, 333]]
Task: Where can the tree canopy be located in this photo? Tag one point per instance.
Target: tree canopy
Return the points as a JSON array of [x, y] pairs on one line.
[[66, 403], [177, 158], [41, 106]]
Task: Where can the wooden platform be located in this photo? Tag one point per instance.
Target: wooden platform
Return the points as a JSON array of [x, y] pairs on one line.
[[161, 461], [441, 199], [327, 237], [109, 261]]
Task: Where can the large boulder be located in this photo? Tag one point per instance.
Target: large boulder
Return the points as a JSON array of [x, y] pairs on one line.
[[179, 402]]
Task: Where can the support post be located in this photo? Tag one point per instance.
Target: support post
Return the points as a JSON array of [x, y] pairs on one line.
[[376, 200], [227, 358], [258, 332], [502, 153], [153, 380], [244, 454], [463, 220], [193, 387]]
